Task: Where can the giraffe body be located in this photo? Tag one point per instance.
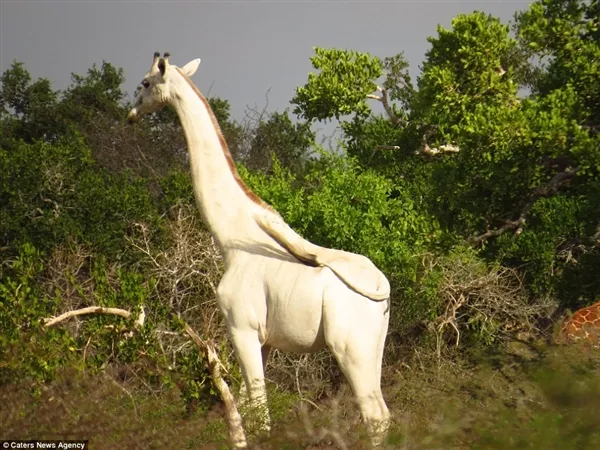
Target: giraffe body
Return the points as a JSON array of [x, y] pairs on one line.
[[583, 326], [278, 290]]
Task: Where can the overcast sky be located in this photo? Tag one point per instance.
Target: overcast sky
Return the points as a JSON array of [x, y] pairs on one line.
[[247, 47]]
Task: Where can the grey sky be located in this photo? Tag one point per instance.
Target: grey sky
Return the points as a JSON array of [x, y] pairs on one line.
[[246, 47]]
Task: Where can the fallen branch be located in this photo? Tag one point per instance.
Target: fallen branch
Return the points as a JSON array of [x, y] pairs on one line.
[[51, 321], [549, 189], [232, 415]]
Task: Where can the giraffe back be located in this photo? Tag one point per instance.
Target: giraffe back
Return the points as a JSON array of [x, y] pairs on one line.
[[583, 326]]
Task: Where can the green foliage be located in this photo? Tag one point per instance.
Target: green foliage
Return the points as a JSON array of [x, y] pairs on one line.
[[27, 109], [565, 36], [465, 75], [512, 150], [340, 88], [25, 350], [345, 207], [398, 82], [53, 192], [176, 188], [280, 138], [97, 93], [279, 190], [369, 140]]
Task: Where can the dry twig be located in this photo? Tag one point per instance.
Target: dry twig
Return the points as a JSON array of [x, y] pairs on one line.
[[491, 298]]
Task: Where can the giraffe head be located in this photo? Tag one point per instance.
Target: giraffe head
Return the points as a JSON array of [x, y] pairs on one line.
[[157, 86]]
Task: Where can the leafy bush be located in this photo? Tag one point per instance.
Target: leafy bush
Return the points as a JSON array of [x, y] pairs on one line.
[[24, 348], [54, 192]]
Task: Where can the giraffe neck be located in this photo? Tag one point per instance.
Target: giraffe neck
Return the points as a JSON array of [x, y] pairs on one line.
[[222, 197]]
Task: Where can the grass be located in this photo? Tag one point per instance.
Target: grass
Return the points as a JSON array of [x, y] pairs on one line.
[[546, 399]]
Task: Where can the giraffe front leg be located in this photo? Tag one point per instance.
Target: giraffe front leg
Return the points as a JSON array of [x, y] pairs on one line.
[[250, 357], [243, 392]]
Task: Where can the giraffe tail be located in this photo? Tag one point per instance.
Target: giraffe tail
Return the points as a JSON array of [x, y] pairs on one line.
[[357, 271]]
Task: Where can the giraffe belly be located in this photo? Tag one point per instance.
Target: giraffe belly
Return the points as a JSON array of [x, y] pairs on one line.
[[294, 297]]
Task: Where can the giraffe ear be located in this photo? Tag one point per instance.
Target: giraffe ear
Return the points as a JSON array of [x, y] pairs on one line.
[[190, 68], [162, 66]]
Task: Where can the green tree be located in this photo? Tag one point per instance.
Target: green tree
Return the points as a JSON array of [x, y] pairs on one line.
[[565, 36], [340, 88], [97, 93], [28, 110], [515, 173], [278, 137]]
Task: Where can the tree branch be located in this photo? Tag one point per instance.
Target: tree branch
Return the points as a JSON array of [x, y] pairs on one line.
[[432, 151], [543, 191], [387, 147], [94, 310], [384, 99], [425, 149], [232, 415], [570, 250]]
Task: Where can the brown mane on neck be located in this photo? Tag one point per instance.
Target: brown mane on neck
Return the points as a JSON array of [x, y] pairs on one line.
[[251, 195]]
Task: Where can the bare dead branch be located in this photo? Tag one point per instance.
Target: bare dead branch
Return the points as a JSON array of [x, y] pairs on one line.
[[431, 151], [384, 100], [188, 271], [232, 415], [427, 150], [570, 249], [547, 190], [493, 299], [49, 322]]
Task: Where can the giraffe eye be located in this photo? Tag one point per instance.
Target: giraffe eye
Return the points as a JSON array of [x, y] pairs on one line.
[[145, 84]]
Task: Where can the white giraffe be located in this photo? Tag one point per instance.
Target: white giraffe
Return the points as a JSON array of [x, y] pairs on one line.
[[278, 290]]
